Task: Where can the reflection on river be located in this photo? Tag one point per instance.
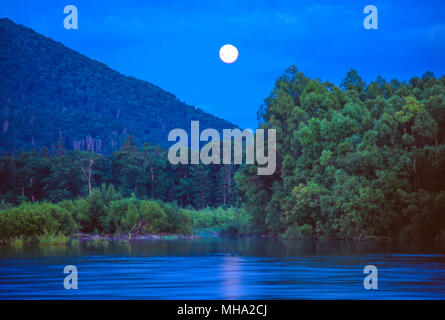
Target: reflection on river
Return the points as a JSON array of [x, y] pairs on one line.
[[224, 268]]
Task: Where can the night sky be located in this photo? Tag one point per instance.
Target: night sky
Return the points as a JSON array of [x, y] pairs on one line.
[[175, 44]]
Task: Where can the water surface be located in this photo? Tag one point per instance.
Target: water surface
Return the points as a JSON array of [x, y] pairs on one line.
[[224, 268]]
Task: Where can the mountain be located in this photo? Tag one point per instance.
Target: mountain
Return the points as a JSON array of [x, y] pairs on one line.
[[48, 92]]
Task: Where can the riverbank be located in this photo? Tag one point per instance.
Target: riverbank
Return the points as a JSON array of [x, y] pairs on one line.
[[104, 215], [104, 212], [104, 240]]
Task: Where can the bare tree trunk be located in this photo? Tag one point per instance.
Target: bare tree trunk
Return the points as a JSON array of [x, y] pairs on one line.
[[88, 176]]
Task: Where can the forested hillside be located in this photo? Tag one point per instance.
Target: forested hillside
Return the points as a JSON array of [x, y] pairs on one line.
[[352, 161], [48, 91]]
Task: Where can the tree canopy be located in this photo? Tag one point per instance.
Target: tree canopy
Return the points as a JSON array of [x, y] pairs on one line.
[[352, 161]]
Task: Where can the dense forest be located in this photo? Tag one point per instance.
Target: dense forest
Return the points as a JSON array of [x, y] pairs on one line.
[[45, 197], [50, 92], [353, 161], [142, 172]]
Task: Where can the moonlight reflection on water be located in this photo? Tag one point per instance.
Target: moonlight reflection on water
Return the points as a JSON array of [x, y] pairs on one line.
[[224, 268]]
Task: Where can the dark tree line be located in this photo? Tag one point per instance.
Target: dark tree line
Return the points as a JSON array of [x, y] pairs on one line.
[[143, 172]]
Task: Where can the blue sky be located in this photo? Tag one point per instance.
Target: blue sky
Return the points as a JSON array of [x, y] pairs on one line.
[[175, 44]]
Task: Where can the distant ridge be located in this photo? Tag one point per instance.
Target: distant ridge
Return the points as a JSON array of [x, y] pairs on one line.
[[48, 91]]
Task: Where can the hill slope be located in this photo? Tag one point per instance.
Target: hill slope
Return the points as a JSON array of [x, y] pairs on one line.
[[49, 91]]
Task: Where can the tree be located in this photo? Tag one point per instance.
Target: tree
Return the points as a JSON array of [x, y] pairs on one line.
[[354, 161], [88, 173], [201, 186], [128, 167]]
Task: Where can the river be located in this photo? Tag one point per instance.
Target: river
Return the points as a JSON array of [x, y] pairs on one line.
[[224, 268]]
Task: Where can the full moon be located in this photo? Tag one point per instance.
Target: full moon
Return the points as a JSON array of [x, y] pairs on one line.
[[228, 53]]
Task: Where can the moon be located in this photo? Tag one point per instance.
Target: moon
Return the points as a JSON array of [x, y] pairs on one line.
[[228, 53]]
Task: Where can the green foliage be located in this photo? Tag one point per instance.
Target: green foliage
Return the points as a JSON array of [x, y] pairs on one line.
[[123, 216], [52, 239], [154, 217], [178, 220], [231, 220], [104, 211], [144, 172], [363, 160], [32, 220], [298, 232]]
